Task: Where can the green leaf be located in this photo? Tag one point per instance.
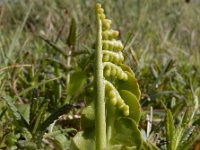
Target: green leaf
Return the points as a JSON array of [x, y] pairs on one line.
[[24, 109], [17, 115], [177, 108], [187, 145], [134, 106], [120, 147], [71, 41], [63, 110], [60, 141], [188, 131], [130, 85], [147, 145], [2, 113], [126, 133], [34, 110], [127, 68], [77, 81], [177, 137], [40, 115], [185, 117], [10, 139], [83, 140], [26, 145], [170, 129], [88, 117]]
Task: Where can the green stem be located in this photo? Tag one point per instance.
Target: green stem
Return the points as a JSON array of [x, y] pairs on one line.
[[100, 122], [58, 87]]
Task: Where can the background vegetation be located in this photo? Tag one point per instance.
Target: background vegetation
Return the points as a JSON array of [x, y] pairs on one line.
[[162, 46]]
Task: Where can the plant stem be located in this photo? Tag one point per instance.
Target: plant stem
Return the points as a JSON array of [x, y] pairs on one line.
[[100, 124]]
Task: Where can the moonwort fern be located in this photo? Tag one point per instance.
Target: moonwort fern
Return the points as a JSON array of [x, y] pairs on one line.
[[110, 119]]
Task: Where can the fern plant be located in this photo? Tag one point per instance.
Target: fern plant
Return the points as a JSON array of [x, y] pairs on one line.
[[110, 119]]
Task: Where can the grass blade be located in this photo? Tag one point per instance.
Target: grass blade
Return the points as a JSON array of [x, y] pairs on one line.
[[169, 129], [63, 110]]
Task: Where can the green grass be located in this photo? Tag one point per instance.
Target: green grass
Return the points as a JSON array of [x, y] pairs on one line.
[[162, 47]]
